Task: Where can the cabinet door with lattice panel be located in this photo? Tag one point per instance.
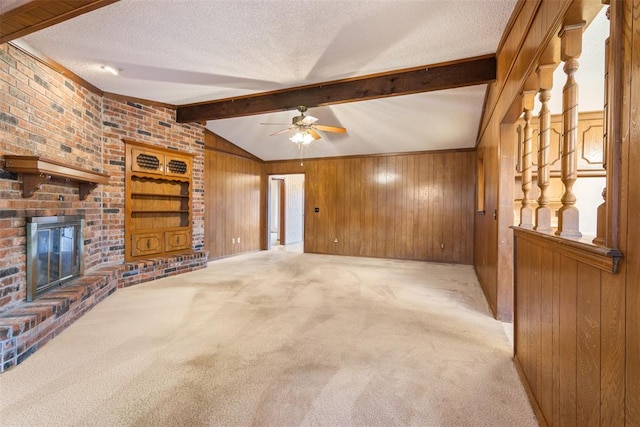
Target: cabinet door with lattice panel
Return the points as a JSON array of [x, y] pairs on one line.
[[177, 166], [147, 161]]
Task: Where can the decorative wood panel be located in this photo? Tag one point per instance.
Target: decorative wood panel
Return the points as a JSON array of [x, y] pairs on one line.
[[589, 148]]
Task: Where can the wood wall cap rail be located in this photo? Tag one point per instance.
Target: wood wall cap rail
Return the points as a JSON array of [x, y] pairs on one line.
[[36, 171], [607, 259]]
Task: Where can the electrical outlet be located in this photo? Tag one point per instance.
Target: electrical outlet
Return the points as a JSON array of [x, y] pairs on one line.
[[335, 240], [233, 240], [238, 240], [441, 245]]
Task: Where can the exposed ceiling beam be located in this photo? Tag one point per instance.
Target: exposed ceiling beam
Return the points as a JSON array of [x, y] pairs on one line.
[[37, 15], [465, 72]]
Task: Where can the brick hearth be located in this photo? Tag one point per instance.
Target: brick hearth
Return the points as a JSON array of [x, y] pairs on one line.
[[28, 326]]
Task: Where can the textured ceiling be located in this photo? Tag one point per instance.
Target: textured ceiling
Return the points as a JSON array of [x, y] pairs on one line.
[[184, 51], [7, 5]]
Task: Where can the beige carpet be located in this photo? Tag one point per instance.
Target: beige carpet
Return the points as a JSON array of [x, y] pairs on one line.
[[279, 339]]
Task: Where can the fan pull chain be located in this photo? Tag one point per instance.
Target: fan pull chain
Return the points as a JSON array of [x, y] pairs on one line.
[[301, 147]]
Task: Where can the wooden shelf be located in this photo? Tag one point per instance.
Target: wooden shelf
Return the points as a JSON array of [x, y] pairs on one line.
[[152, 211], [161, 196], [37, 171]]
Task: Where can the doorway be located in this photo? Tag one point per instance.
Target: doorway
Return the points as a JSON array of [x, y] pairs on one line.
[[286, 212]]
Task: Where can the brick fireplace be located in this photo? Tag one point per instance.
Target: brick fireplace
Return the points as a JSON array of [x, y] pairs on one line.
[[48, 115]]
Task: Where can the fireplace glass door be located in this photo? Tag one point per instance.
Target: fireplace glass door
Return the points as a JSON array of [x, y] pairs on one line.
[[54, 252]]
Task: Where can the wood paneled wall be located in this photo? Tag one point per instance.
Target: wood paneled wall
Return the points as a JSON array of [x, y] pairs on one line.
[[232, 199], [630, 204], [569, 334], [577, 326], [415, 206]]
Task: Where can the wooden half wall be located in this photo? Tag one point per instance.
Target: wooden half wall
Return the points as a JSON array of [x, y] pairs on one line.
[[576, 319]]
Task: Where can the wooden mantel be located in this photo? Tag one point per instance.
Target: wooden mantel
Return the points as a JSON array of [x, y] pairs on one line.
[[37, 171]]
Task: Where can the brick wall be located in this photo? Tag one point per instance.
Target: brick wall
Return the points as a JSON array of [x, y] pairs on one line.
[[44, 113]]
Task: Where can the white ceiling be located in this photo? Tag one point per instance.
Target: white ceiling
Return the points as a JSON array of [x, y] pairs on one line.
[[185, 51]]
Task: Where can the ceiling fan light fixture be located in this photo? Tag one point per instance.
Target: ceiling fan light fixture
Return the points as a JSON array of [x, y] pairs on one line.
[[303, 138]]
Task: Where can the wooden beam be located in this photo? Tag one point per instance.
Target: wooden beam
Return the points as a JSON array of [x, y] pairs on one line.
[[39, 14], [465, 72]]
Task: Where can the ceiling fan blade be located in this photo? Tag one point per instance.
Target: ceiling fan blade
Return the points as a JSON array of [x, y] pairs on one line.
[[280, 132], [279, 124], [314, 134], [331, 128], [307, 120]]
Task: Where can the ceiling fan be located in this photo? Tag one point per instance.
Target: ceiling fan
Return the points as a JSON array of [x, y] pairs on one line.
[[305, 127]]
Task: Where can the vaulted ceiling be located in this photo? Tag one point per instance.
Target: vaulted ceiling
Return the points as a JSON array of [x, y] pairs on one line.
[[432, 60]]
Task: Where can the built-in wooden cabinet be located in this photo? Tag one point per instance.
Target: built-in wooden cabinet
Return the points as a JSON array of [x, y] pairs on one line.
[[158, 201]]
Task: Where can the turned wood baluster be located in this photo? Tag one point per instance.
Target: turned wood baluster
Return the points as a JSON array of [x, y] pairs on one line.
[[570, 50], [526, 212], [543, 212]]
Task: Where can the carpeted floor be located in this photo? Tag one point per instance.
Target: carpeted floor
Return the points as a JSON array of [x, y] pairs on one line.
[[279, 339]]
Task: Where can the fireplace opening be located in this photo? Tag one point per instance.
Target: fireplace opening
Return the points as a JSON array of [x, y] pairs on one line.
[[55, 252]]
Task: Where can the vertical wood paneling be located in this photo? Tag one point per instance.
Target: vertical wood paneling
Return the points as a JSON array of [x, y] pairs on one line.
[[368, 207], [556, 333], [437, 232], [633, 346], [432, 237], [567, 341], [612, 349], [631, 176], [545, 375], [233, 200], [534, 310], [588, 346], [423, 207], [448, 213], [521, 324], [380, 205], [391, 206], [328, 196], [340, 208], [390, 187], [568, 336]]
